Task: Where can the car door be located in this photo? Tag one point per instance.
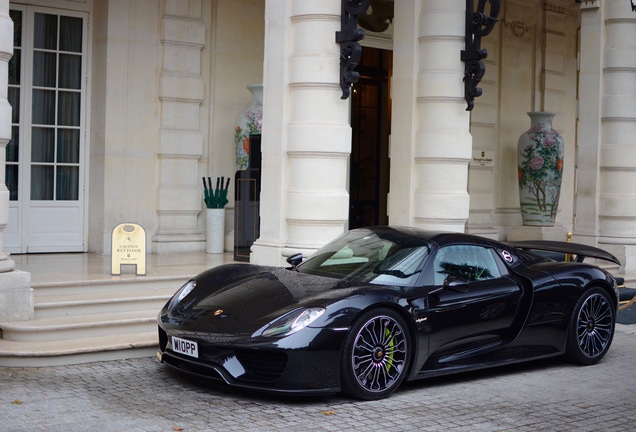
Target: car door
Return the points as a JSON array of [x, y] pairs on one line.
[[477, 315]]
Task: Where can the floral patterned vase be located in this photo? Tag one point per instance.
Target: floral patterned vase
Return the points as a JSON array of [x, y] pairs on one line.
[[248, 123], [540, 163]]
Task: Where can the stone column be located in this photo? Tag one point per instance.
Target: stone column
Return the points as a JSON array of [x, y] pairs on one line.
[[16, 294], [180, 146], [617, 191], [430, 144], [306, 135]]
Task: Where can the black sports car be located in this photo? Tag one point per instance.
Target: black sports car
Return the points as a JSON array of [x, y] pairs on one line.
[[380, 305]]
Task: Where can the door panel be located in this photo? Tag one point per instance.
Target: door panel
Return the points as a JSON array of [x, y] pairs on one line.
[[478, 315], [54, 229], [482, 315]]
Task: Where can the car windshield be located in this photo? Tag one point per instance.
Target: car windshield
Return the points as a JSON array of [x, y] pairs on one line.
[[386, 258]]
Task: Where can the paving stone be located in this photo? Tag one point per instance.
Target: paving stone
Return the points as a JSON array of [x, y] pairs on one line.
[[142, 395]]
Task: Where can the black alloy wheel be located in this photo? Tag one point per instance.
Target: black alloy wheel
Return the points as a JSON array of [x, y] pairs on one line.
[[591, 327], [376, 355]]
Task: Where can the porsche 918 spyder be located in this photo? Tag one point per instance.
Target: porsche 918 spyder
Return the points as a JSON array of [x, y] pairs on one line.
[[381, 305]]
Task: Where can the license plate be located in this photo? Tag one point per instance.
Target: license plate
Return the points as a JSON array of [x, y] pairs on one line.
[[185, 347]]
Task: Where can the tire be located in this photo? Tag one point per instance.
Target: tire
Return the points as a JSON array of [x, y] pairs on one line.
[[591, 327], [376, 355]]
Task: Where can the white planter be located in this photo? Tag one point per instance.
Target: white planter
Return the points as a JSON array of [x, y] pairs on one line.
[[215, 232]]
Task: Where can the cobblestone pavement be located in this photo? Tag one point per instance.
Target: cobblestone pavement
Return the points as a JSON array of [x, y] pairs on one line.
[[141, 395]]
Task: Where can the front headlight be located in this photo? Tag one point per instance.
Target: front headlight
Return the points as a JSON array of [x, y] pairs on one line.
[[294, 321], [183, 291]]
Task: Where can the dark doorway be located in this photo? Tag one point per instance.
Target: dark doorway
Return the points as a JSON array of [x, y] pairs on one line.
[[371, 127]]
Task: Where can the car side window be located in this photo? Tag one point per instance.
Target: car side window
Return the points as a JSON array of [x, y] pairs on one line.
[[467, 262]]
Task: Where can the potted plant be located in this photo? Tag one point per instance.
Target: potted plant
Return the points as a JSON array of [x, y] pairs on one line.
[[215, 201]]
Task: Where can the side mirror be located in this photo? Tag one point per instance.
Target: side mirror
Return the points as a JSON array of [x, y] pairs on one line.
[[456, 284], [295, 260]]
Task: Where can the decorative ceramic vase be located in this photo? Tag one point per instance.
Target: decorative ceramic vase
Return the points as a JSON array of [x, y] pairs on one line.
[[248, 123], [540, 163], [215, 230]]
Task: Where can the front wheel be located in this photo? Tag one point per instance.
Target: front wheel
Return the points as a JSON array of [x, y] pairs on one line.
[[376, 355], [591, 327]]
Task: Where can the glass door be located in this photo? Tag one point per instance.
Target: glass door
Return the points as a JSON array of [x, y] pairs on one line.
[[45, 172], [371, 128]]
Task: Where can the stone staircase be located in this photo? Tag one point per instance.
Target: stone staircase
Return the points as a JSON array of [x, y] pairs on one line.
[[87, 321]]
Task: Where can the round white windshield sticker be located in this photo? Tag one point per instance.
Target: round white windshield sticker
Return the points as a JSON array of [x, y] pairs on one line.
[[507, 256]]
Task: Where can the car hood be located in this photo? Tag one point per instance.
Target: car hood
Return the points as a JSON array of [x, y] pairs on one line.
[[240, 299]]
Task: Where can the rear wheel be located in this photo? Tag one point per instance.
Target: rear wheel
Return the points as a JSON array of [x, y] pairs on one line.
[[591, 327], [376, 355]]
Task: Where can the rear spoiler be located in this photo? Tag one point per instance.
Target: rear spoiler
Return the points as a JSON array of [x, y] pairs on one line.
[[580, 250]]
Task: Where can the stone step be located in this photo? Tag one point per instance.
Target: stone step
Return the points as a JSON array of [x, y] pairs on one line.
[[83, 313], [80, 326], [90, 287], [89, 320], [75, 351], [86, 302]]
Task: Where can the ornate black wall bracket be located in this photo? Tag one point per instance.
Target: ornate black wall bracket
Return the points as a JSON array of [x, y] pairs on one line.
[[348, 37], [478, 24]]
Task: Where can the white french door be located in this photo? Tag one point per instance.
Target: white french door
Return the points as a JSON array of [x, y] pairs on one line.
[[45, 167]]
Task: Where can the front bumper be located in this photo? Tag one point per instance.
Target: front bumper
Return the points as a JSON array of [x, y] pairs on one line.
[[307, 362]]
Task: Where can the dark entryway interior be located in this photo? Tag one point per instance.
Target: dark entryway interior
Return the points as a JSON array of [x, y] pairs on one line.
[[371, 127]]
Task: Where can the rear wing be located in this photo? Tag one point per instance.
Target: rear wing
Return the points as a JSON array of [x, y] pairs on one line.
[[558, 250]]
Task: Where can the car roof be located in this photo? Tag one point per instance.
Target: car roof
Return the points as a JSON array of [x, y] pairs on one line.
[[440, 238]]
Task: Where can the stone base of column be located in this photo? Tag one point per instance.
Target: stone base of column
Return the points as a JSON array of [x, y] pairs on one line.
[[554, 233], [16, 296], [178, 242], [268, 254]]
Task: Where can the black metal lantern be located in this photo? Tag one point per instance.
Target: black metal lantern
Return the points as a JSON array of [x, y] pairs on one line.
[[478, 24], [348, 37]]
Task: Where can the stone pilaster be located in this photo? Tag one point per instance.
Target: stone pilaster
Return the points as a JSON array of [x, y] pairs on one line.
[[180, 146], [617, 201], [16, 294], [586, 223], [431, 147], [606, 200], [306, 134], [484, 128]]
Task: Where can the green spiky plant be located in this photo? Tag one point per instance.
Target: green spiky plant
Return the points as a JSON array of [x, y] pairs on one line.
[[216, 198]]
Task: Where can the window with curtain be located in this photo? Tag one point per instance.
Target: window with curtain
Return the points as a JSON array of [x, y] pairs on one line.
[[55, 114]]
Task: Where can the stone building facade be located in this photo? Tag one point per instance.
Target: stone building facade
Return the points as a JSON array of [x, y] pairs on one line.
[[145, 93]]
